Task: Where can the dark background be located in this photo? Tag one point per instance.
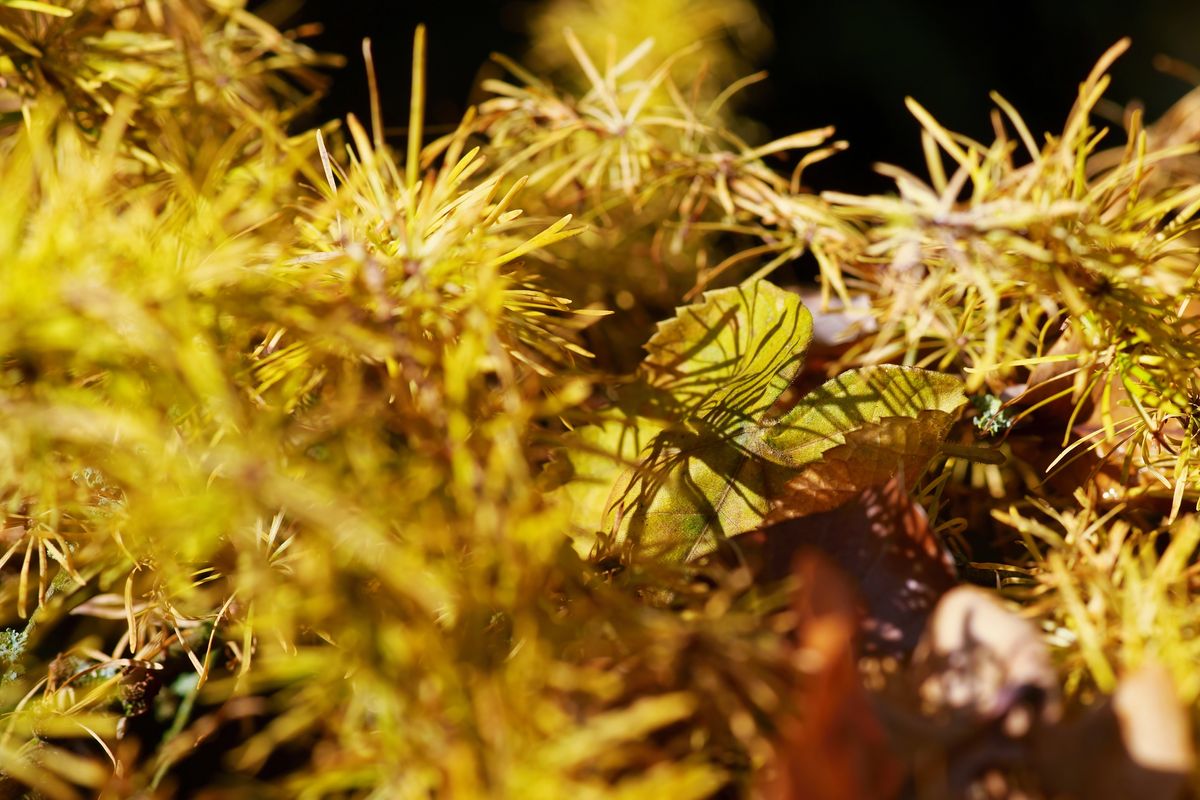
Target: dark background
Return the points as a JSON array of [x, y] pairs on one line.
[[849, 63]]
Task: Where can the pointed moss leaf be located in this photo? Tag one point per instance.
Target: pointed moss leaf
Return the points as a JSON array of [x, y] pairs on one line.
[[854, 400], [728, 358]]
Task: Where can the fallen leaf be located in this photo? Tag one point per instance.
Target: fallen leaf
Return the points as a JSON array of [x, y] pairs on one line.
[[728, 358], [688, 457], [845, 436], [854, 400], [1136, 744], [868, 457], [599, 454], [883, 541], [832, 747], [666, 449], [688, 496]]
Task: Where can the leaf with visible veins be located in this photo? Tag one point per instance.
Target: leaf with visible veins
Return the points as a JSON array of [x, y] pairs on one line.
[[727, 359], [689, 455]]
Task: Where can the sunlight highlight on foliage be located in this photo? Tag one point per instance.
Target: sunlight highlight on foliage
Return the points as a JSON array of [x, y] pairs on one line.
[[478, 465]]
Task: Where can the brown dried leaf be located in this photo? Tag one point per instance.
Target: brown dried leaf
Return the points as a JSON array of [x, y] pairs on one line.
[[833, 747], [870, 456], [1139, 744], [883, 540]]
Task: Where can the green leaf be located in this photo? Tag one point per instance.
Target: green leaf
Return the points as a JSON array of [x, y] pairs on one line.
[[853, 432], [857, 431], [690, 455], [689, 494], [853, 400], [869, 457], [728, 358], [714, 367], [599, 454]]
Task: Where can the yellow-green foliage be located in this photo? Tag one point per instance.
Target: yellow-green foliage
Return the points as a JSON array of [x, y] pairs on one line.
[[662, 182], [1059, 279], [1075, 258], [283, 413], [719, 36], [1110, 599], [200, 81], [271, 430]]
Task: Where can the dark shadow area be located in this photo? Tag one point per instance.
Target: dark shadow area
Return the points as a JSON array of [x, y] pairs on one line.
[[849, 64]]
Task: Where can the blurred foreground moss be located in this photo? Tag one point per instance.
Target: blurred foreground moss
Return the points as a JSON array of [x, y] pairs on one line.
[[273, 412], [332, 466]]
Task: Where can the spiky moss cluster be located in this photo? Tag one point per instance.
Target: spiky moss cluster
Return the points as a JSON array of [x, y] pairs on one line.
[[268, 461], [674, 199], [1059, 279], [1055, 277], [269, 451], [1115, 591], [193, 81]]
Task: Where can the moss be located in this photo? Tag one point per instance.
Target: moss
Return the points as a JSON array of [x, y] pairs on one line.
[[335, 466]]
